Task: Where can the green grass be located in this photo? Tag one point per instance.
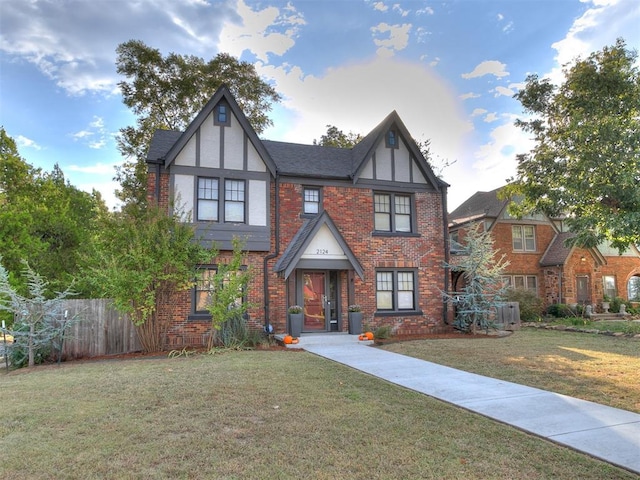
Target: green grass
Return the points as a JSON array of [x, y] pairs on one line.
[[628, 327], [255, 415], [599, 368]]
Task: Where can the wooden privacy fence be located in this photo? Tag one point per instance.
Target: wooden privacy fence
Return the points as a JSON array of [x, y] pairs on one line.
[[100, 330]]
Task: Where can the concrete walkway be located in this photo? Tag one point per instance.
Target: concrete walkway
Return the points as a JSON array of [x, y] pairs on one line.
[[606, 433]]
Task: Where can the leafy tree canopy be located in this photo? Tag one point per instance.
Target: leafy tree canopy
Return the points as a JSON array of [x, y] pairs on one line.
[[586, 160], [43, 219], [167, 93], [337, 138]]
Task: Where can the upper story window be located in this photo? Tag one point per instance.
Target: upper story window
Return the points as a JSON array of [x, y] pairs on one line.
[[393, 213], [523, 238], [234, 201], [222, 115], [396, 290], [391, 139], [311, 201], [207, 209]]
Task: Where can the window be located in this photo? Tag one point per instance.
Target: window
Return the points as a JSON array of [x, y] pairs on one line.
[[222, 115], [392, 213], [609, 286], [392, 139], [311, 201], [524, 238], [203, 289], [521, 282], [206, 284], [633, 289], [207, 199], [395, 290], [234, 201]]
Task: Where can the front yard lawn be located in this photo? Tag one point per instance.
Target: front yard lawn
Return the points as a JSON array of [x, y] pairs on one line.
[[256, 415], [600, 368]]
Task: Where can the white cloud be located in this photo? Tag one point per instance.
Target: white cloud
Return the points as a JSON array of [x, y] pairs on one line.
[[469, 95], [425, 10], [495, 162], [256, 31], [478, 111], [74, 44], [491, 117], [398, 38], [488, 67], [398, 9], [23, 141], [599, 26], [95, 169], [349, 97], [380, 7]]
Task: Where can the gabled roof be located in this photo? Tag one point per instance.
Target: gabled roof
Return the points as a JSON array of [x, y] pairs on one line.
[[557, 252], [296, 248], [364, 149], [222, 93], [479, 206]]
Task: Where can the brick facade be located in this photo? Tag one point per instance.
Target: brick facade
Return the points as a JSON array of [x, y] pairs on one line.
[[346, 203]]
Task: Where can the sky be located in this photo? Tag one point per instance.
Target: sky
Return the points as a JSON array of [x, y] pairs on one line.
[[449, 68]]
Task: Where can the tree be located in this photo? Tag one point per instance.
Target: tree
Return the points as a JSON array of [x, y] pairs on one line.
[[226, 303], [40, 323], [45, 219], [337, 138], [484, 289], [141, 262], [586, 160], [167, 92]]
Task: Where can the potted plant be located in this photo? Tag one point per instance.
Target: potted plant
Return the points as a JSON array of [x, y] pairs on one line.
[[296, 318], [355, 319]]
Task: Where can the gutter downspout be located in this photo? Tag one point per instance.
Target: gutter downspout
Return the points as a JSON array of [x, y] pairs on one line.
[[447, 268], [271, 256]]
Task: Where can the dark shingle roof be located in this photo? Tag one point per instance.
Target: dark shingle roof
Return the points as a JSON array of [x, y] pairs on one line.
[[479, 205], [557, 253], [161, 143], [310, 160]]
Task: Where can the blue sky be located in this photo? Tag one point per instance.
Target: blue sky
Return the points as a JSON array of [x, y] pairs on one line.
[[449, 68]]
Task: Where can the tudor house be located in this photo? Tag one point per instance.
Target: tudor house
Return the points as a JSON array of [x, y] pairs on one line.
[[323, 227], [538, 259]]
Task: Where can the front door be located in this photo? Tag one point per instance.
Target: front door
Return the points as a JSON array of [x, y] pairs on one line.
[[582, 290], [319, 292]]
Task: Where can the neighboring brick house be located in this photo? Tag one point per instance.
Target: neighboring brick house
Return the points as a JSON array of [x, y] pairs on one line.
[[323, 227], [539, 259]]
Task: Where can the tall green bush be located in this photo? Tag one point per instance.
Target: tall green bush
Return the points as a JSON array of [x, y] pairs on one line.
[[531, 308]]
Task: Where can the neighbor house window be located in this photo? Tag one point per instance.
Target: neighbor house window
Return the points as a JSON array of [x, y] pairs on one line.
[[311, 202], [609, 286], [207, 199], [234, 201], [395, 290], [393, 213], [521, 282], [222, 115], [633, 289], [524, 238]]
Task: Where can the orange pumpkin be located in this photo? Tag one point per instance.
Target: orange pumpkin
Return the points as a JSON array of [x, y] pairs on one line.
[[287, 339], [295, 340], [361, 337], [369, 335]]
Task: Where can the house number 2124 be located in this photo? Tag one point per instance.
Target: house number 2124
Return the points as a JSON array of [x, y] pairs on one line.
[[322, 251]]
